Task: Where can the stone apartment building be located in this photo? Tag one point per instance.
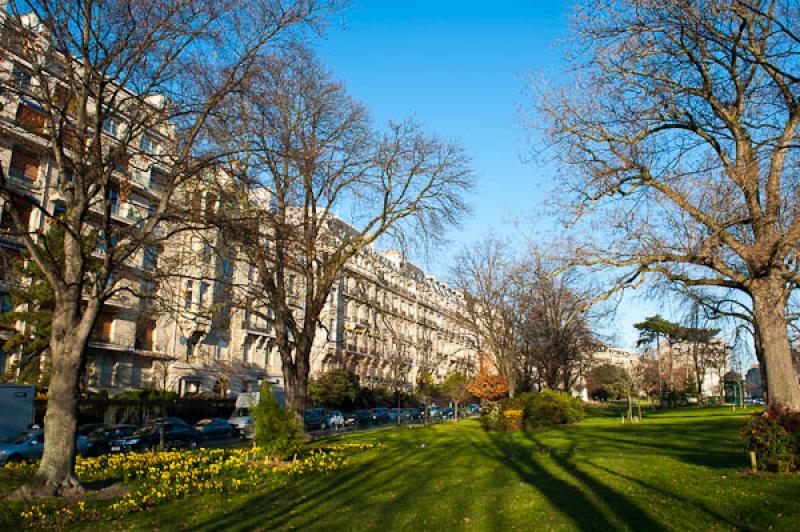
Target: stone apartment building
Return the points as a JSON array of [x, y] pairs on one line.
[[121, 353], [678, 365], [385, 320], [615, 356]]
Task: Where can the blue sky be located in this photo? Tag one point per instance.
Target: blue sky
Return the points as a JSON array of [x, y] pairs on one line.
[[460, 69]]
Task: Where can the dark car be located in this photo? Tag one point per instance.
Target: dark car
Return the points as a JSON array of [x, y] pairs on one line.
[[100, 439], [363, 417], [399, 415], [315, 419], [176, 433], [214, 428], [448, 412], [380, 415], [89, 428], [29, 446]]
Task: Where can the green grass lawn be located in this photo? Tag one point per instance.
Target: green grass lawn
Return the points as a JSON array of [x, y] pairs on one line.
[[681, 469]]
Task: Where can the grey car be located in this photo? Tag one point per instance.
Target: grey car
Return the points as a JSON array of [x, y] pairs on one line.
[[29, 447]]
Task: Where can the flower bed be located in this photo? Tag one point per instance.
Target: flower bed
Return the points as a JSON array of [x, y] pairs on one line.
[[152, 478]]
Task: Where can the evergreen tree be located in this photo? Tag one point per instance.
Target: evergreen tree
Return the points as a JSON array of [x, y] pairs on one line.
[[32, 302]]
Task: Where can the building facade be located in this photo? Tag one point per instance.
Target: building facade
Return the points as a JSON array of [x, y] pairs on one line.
[[385, 320], [121, 356]]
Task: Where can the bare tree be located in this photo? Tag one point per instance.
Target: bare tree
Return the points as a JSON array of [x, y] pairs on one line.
[[534, 320], [680, 133], [116, 94], [484, 273], [316, 185], [556, 316]]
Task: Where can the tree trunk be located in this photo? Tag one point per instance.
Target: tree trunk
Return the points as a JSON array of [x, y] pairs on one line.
[[56, 473], [295, 378], [769, 308]]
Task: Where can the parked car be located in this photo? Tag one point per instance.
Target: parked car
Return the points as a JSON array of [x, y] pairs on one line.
[[99, 441], [399, 415], [380, 415], [349, 420], [474, 408], [336, 419], [176, 433], [434, 411], [29, 447], [448, 412], [89, 428], [214, 428], [242, 421], [315, 419], [363, 417], [415, 413]]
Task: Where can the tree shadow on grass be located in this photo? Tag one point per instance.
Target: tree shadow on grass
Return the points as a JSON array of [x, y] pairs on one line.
[[711, 444], [578, 496], [385, 490]]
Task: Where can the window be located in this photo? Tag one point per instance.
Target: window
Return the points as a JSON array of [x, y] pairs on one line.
[[145, 334], [22, 78], [148, 145], [31, 119], [246, 351], [103, 242], [102, 328], [67, 100], [111, 126], [203, 293], [187, 296], [24, 167], [113, 200], [136, 374], [24, 208], [150, 258], [227, 267], [211, 204]]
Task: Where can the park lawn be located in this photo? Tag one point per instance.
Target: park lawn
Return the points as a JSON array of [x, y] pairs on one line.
[[680, 469]]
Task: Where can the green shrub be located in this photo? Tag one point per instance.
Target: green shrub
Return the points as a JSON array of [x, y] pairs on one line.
[[547, 408], [276, 429], [775, 438], [492, 418]]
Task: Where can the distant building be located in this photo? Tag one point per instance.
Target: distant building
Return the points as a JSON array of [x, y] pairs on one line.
[[615, 356], [752, 381], [678, 364]]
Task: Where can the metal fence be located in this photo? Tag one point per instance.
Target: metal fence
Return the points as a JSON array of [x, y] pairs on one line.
[[111, 411]]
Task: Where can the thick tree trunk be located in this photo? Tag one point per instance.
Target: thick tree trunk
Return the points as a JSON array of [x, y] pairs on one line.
[[56, 473], [769, 308], [296, 380]]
